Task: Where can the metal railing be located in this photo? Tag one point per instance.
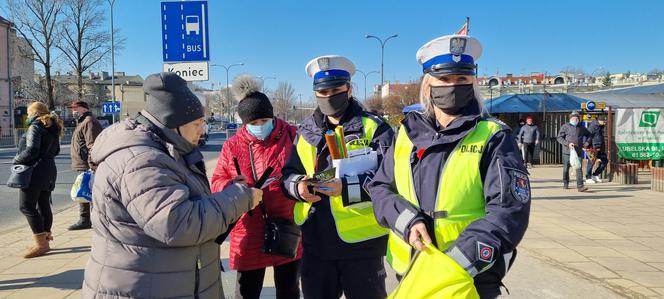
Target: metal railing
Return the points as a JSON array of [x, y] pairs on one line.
[[10, 138]]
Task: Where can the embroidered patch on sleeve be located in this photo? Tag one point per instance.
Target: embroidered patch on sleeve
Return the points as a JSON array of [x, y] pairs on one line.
[[520, 186], [485, 252]]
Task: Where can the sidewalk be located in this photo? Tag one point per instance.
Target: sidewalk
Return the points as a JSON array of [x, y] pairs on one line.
[[601, 244], [613, 234]]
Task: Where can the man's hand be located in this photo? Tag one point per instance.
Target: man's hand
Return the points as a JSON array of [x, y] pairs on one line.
[[536, 142], [256, 197], [571, 146], [332, 188], [303, 190], [419, 234]]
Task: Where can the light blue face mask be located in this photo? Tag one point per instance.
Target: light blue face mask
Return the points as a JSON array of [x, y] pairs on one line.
[[574, 122], [261, 131]]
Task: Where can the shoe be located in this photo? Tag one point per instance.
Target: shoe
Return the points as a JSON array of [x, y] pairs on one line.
[[40, 248], [530, 165], [597, 179], [590, 181], [582, 189], [566, 186], [81, 224]]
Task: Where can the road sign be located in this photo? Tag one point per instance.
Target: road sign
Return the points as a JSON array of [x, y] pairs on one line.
[[592, 106], [190, 71], [184, 31], [110, 107]]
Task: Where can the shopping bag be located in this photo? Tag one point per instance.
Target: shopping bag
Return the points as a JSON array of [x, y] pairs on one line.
[[433, 274], [81, 190], [574, 160]]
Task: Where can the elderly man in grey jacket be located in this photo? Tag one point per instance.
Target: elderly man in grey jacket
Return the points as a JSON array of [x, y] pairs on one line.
[[155, 219], [572, 136]]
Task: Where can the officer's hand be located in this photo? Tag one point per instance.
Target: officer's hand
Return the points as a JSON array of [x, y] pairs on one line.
[[256, 197], [536, 142], [303, 190], [240, 179], [332, 188], [419, 234]]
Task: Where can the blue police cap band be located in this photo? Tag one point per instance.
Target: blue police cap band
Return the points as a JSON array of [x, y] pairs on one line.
[[331, 75], [330, 79], [450, 64]]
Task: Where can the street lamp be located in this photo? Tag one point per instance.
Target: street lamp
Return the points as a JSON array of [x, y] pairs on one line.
[[382, 55], [228, 94], [365, 80], [263, 78], [111, 3]]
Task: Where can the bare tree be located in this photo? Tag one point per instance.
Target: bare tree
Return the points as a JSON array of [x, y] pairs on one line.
[[37, 21], [82, 40], [283, 99], [374, 104]]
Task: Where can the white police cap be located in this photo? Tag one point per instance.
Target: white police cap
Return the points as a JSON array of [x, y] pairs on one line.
[[450, 54], [330, 71]]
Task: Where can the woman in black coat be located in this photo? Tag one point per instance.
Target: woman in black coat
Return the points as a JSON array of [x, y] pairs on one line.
[[39, 146]]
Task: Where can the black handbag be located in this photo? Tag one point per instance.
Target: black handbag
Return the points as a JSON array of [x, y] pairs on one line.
[[20, 176], [282, 236]]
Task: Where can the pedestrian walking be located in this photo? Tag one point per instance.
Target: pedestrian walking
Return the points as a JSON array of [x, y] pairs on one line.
[[597, 150], [572, 136], [83, 138], [528, 138]]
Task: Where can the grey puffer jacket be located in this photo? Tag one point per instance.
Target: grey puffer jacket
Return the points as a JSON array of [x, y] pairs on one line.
[[154, 218]]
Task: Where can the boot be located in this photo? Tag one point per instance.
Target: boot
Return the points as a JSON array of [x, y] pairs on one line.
[[81, 224], [41, 246], [84, 222], [49, 238]]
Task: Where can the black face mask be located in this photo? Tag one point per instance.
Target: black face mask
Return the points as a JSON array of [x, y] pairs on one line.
[[451, 99], [334, 105]]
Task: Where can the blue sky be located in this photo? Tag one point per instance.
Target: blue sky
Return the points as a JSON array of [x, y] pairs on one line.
[[277, 38]]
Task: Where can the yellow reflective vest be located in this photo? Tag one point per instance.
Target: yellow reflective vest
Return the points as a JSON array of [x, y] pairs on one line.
[[460, 199], [354, 223]]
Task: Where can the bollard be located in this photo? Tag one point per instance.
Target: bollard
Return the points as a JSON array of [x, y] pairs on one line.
[[625, 173], [657, 182]]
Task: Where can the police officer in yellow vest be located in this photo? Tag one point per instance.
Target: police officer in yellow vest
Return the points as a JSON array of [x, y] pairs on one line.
[[453, 177], [343, 244]]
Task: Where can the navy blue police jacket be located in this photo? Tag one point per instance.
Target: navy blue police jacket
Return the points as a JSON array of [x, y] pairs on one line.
[[319, 233], [507, 210]]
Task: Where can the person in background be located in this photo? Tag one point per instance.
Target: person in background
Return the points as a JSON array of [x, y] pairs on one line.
[[528, 138], [263, 141], [86, 131], [38, 147], [597, 148], [572, 136]]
